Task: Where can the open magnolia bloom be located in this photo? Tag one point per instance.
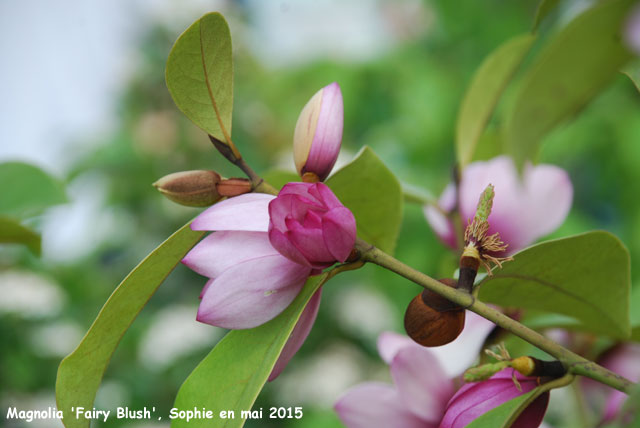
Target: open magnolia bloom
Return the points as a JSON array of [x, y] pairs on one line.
[[422, 379], [523, 209], [251, 281]]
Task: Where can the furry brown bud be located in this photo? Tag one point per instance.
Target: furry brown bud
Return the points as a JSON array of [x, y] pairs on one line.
[[191, 188]]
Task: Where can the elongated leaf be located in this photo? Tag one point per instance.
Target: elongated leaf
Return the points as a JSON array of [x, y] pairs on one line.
[[28, 190], [234, 372], [585, 276], [12, 232], [80, 373], [485, 90], [200, 74], [573, 68], [374, 195], [633, 73], [505, 414]]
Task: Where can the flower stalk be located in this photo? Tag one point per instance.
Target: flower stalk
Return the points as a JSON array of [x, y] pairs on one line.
[[573, 362]]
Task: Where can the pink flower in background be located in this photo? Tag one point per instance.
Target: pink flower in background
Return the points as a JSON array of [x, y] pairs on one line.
[[310, 226], [624, 360], [318, 134], [251, 281], [632, 30], [523, 209], [475, 399], [422, 380]]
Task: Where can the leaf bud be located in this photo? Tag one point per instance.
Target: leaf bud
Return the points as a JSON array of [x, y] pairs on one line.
[[191, 188]]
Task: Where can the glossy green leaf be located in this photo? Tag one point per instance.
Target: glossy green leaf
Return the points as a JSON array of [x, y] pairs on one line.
[[545, 7], [12, 232], [505, 414], [633, 73], [374, 195], [200, 74], [234, 372], [572, 69], [31, 190], [585, 276], [635, 314], [80, 373], [485, 90]]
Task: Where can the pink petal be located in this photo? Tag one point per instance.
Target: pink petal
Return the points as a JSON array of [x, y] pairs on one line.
[[279, 210], [298, 335], [281, 243], [421, 383], [549, 193], [624, 360], [311, 244], [389, 344], [328, 136], [475, 399], [328, 198], [300, 189], [339, 232], [252, 292], [221, 250], [376, 405], [245, 212], [441, 225], [459, 355]]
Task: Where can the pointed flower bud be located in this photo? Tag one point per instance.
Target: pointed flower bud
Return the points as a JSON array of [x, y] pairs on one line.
[[475, 399], [309, 225], [318, 134], [190, 188]]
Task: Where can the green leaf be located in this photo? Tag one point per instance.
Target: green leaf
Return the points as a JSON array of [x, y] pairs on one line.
[[12, 232], [31, 190], [544, 9], [278, 178], [199, 74], [374, 195], [234, 372], [485, 90], [505, 414], [572, 69], [635, 313], [80, 373], [585, 276], [417, 195], [633, 73]]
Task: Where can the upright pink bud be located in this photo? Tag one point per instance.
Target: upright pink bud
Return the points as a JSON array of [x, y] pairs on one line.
[[318, 134], [475, 399], [309, 225], [632, 30]]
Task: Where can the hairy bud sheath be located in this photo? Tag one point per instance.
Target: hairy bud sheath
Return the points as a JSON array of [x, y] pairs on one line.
[[191, 188], [432, 320], [318, 134]]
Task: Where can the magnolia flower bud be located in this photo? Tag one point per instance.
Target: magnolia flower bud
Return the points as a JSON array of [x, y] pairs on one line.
[[190, 188], [318, 134], [309, 225]]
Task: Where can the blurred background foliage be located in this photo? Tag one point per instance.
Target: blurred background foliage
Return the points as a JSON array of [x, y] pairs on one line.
[[401, 100]]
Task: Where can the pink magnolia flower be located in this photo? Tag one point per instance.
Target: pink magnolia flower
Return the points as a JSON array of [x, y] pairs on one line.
[[523, 209], [623, 359], [475, 399], [310, 226], [422, 380], [318, 134], [251, 282]]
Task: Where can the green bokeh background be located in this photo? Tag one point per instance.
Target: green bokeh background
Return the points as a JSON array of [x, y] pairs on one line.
[[403, 104]]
